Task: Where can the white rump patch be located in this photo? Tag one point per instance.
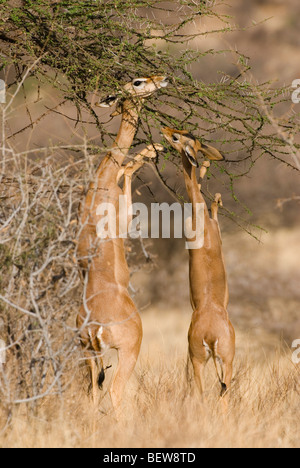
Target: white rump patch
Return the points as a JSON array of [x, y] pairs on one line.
[[104, 347], [209, 351], [207, 348], [99, 334]]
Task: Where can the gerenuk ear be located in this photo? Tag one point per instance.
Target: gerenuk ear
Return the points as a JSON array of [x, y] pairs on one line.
[[108, 102], [191, 155], [211, 153]]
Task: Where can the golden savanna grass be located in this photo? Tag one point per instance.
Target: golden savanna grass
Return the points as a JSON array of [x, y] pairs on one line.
[[159, 409]]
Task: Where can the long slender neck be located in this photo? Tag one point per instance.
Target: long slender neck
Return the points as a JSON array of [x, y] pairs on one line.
[[196, 199], [190, 178], [127, 131], [208, 281], [109, 258], [115, 158]]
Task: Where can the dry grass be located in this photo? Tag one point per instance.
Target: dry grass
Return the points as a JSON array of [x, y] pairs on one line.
[[159, 411]]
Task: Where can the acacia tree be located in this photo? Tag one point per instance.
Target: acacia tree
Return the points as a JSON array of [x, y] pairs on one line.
[[82, 49], [83, 46]]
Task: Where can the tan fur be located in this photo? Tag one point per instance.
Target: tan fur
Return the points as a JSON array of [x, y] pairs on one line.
[[108, 317], [211, 333]]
